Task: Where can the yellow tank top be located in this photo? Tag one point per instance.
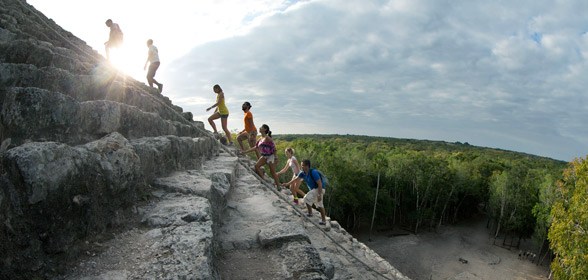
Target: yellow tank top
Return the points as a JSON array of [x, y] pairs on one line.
[[222, 108]]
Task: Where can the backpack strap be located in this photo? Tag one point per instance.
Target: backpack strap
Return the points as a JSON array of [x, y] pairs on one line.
[[310, 171], [311, 175]]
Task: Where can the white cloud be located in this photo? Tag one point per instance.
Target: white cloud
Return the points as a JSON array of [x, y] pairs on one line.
[[499, 74], [485, 73]]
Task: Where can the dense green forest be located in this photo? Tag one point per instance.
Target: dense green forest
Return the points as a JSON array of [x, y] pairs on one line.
[[426, 184]]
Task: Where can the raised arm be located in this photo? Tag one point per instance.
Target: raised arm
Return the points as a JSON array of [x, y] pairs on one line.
[[249, 150], [285, 168], [297, 179], [216, 104]]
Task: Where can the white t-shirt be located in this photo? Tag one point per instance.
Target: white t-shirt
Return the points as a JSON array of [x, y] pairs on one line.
[[153, 54], [293, 165]]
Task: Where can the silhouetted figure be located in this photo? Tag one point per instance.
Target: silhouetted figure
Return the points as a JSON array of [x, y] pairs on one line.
[[115, 39]]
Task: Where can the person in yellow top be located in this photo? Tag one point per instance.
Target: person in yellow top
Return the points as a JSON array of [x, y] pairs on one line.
[[250, 131], [221, 112]]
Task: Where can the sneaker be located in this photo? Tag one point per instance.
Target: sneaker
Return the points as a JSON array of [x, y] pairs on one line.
[[160, 87], [322, 223], [309, 215], [295, 201]]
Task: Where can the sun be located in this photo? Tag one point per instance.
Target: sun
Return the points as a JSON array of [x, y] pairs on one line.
[[129, 60]]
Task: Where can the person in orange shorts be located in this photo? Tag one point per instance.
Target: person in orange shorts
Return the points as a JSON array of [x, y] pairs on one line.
[[250, 131]]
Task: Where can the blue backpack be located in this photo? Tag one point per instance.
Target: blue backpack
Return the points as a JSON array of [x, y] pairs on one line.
[[324, 178]]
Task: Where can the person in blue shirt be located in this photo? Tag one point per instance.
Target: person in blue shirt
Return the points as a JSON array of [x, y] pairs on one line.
[[316, 189]]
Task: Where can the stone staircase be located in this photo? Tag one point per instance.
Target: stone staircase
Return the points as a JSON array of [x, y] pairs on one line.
[[102, 177], [81, 143], [176, 233], [224, 222]]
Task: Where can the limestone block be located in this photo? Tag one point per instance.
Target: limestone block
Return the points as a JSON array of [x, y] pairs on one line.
[[39, 115], [186, 182], [301, 258], [278, 232], [177, 210]]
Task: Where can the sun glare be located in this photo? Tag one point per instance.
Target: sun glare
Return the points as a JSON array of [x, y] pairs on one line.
[[129, 60]]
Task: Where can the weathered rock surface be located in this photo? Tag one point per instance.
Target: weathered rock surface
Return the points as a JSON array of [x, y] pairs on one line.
[[102, 177], [86, 142]]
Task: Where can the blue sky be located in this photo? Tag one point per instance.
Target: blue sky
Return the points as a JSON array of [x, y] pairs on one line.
[[502, 74]]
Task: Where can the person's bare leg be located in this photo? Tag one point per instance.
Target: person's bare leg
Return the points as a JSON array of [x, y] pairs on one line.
[[252, 144], [157, 83], [260, 162], [274, 174], [242, 136], [323, 216], [211, 120], [227, 132], [150, 80], [298, 190], [107, 48]]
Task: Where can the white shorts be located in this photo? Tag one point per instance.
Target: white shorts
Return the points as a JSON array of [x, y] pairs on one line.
[[311, 198], [297, 175], [270, 158]]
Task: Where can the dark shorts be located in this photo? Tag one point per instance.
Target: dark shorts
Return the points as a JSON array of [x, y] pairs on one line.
[[224, 116], [114, 42], [152, 69]]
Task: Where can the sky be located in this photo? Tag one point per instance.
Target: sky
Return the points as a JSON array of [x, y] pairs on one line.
[[502, 74]]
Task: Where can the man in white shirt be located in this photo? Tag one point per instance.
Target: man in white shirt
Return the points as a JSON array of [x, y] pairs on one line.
[[153, 59]]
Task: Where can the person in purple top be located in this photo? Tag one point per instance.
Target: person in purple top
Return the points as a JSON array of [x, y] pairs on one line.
[[267, 149]]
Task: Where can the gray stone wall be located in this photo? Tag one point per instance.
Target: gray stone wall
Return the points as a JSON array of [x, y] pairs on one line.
[[82, 142]]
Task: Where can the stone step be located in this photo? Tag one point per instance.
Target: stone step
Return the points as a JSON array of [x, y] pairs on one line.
[[21, 21], [102, 83], [36, 52], [44, 54], [62, 193], [34, 114], [265, 236], [177, 240], [260, 237]]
